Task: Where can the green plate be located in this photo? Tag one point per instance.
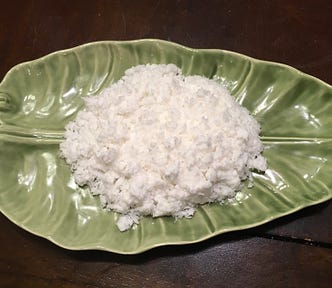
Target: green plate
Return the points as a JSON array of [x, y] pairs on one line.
[[38, 98]]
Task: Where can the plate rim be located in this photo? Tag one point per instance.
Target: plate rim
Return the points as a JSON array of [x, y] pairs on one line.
[[155, 40], [168, 243]]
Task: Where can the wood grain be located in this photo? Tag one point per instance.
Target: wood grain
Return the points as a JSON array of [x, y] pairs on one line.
[[296, 32], [228, 259], [312, 224]]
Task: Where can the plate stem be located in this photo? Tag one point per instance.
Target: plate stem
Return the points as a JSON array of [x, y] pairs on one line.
[[4, 102]]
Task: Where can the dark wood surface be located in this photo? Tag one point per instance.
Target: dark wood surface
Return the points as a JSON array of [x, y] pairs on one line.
[[294, 251]]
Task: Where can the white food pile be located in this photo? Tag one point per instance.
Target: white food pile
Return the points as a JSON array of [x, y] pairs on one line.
[[159, 143]]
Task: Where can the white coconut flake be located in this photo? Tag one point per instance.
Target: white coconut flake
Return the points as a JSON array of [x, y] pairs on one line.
[[159, 143]]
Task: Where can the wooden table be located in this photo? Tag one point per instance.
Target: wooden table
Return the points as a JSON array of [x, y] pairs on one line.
[[294, 251]]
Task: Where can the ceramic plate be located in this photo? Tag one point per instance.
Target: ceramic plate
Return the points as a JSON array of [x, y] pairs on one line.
[[38, 98]]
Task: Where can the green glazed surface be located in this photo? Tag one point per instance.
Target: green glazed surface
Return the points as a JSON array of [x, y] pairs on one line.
[[38, 98]]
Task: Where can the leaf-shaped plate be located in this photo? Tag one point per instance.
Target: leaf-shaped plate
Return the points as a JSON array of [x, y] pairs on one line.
[[38, 98]]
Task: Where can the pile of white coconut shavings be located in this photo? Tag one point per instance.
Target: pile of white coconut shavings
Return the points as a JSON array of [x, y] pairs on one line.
[[159, 143]]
